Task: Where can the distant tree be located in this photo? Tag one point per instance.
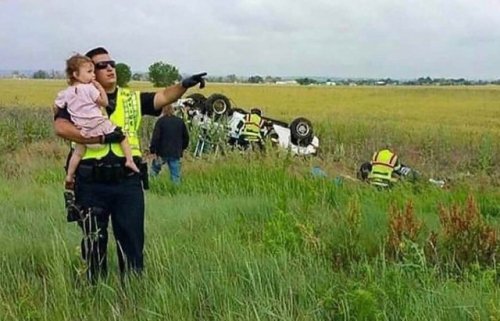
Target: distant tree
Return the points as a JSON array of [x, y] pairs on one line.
[[269, 79], [162, 74], [137, 76], [54, 74], [306, 81], [214, 79], [231, 78], [123, 74], [255, 80], [424, 81], [41, 74]]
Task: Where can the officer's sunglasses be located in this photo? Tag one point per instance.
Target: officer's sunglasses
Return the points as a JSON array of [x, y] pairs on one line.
[[104, 64]]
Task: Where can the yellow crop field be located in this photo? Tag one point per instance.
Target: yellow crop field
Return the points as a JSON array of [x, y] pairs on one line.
[[466, 109]]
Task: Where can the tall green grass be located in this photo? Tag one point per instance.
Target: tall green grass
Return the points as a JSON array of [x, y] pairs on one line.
[[258, 237], [225, 246]]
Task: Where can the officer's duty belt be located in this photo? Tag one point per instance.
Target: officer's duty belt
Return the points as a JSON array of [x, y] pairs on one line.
[[102, 172]]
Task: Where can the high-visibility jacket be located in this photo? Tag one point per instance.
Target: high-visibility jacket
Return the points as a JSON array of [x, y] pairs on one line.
[[127, 115], [251, 128], [384, 163]]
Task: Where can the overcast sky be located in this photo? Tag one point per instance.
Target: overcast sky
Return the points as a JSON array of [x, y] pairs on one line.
[[338, 38]]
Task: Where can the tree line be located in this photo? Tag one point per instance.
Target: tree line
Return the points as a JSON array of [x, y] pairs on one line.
[[163, 74]]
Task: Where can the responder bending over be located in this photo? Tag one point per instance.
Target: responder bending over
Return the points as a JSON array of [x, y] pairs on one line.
[[251, 130], [384, 169]]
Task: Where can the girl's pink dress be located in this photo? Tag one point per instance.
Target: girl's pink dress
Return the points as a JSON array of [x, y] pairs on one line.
[[86, 114]]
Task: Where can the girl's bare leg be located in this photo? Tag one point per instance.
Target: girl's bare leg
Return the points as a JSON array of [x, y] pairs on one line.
[[73, 164]]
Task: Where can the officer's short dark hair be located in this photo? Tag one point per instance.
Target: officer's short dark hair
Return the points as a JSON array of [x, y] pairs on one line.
[[96, 51]]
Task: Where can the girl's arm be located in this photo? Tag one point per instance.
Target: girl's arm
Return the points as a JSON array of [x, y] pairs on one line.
[[102, 100]]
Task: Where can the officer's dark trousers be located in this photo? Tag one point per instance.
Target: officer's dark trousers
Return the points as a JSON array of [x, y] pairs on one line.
[[123, 201]]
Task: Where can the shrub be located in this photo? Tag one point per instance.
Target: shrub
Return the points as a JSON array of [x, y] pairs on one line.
[[404, 229], [465, 238]]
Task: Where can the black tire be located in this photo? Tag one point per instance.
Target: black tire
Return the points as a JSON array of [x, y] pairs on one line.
[[197, 97], [301, 131], [218, 105], [198, 101]]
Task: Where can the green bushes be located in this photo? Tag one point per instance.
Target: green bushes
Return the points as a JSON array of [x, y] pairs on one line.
[[20, 127]]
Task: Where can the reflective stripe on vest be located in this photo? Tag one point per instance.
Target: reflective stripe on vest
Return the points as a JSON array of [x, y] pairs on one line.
[[127, 115], [253, 123], [383, 163]]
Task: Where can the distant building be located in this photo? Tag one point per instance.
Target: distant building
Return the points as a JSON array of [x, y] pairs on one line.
[[287, 82]]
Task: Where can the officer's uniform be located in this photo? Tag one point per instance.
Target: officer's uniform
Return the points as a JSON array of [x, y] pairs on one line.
[[105, 187], [384, 164], [251, 130]]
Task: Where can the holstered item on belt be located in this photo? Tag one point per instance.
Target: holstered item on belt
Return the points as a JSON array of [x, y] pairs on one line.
[[143, 167]]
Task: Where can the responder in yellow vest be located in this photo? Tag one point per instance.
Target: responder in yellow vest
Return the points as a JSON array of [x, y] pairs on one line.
[[251, 129], [384, 165], [104, 188], [385, 169]]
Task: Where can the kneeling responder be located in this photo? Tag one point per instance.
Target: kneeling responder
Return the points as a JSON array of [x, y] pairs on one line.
[[383, 170]]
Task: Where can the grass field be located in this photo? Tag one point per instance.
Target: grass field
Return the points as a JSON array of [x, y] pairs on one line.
[[249, 237]]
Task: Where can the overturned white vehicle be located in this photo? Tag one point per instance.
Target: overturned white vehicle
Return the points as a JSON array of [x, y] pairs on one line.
[[216, 113]]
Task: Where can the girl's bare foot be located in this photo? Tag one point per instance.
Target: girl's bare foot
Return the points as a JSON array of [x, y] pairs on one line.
[[132, 166]]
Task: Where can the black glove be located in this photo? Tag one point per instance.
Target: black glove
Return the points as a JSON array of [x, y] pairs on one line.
[[194, 80], [114, 137]]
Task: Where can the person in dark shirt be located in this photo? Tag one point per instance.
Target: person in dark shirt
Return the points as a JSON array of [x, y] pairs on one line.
[[104, 189], [170, 139]]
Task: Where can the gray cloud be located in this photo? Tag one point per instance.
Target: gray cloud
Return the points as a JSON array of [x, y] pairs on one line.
[[357, 38]]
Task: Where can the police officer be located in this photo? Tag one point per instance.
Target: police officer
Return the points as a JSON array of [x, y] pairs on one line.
[[104, 187]]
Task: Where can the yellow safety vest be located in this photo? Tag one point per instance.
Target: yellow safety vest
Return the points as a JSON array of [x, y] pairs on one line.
[[251, 129], [127, 115], [383, 165]]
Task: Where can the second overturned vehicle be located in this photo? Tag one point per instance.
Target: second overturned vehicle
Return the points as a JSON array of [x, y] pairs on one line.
[[221, 122]]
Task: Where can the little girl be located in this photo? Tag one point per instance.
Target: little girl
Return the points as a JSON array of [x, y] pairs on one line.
[[83, 99]]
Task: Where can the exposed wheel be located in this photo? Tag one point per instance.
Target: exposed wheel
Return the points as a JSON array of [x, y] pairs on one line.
[[218, 105], [301, 131], [198, 101]]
